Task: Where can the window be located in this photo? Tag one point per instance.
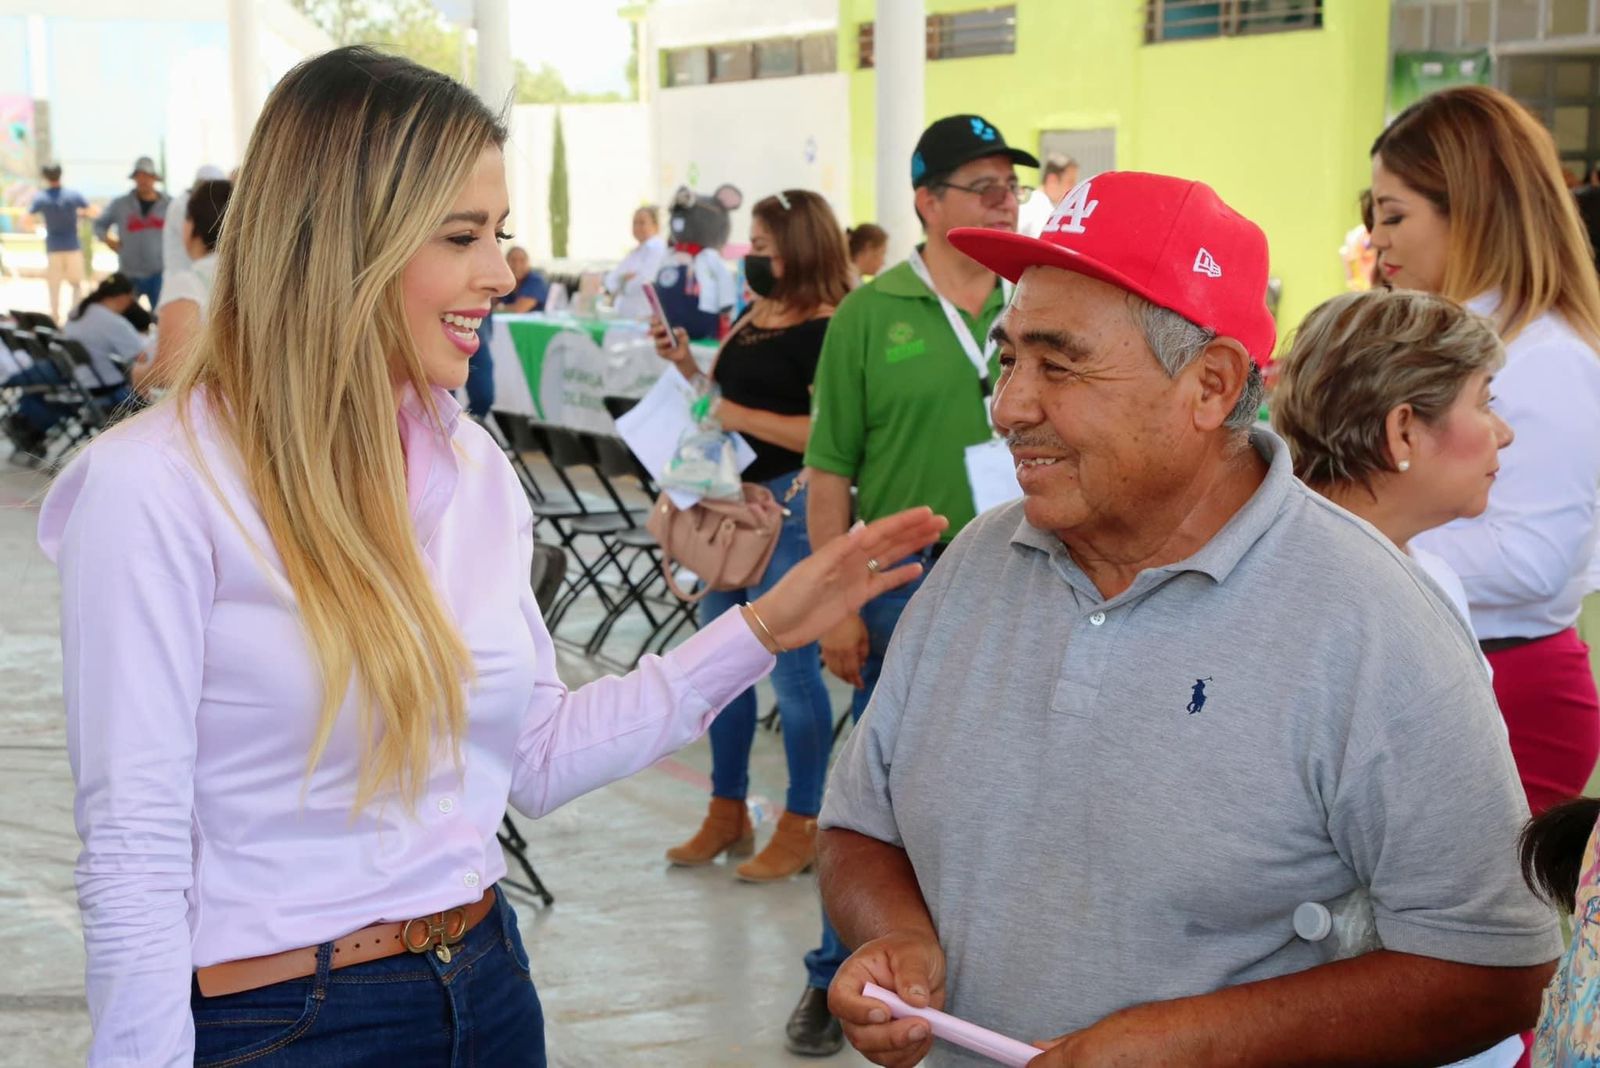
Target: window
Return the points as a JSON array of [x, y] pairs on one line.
[[819, 53], [688, 66], [733, 62], [1567, 18], [740, 61], [988, 31], [1560, 91], [778, 59], [1182, 20]]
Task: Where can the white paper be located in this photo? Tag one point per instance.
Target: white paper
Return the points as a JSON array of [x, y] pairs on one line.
[[992, 474], [653, 427]]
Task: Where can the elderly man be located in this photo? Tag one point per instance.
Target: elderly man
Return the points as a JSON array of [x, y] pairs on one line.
[[1133, 721]]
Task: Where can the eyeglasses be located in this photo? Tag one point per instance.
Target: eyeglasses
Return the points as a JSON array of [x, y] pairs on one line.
[[993, 194]]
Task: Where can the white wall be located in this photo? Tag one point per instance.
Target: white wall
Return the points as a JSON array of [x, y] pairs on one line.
[[608, 176], [675, 23], [762, 135]]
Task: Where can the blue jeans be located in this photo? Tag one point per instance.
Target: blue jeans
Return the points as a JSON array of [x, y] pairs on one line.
[[41, 414], [881, 615], [803, 705], [149, 288], [480, 377], [406, 1011]]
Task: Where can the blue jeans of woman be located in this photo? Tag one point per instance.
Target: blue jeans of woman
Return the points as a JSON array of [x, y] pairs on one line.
[[804, 709], [407, 1011], [881, 615]]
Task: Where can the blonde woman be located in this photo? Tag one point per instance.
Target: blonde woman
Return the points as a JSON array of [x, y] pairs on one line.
[[1469, 202], [304, 670]]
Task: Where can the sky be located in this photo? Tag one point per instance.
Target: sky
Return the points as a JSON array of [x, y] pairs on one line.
[[585, 40]]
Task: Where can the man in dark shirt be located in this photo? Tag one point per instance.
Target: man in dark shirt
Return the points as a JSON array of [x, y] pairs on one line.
[[59, 210]]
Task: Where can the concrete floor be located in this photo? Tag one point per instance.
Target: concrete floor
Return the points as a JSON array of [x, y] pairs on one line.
[[636, 962]]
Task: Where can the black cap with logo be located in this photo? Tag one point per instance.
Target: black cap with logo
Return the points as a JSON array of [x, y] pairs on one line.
[[958, 139]]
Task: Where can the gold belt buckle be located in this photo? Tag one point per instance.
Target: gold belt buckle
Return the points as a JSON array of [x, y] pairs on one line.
[[437, 932]]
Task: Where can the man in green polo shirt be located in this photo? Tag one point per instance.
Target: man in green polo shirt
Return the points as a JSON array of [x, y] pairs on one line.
[[901, 391]]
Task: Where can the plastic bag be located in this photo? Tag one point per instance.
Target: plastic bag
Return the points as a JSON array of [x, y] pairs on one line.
[[705, 464]]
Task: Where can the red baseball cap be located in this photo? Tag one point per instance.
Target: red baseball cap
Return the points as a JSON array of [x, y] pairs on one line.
[[1171, 241]]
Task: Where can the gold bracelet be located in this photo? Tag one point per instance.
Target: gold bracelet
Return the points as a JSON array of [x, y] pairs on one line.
[[764, 629]]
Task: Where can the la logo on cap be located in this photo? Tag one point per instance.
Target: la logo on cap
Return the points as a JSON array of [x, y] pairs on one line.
[[1070, 213]]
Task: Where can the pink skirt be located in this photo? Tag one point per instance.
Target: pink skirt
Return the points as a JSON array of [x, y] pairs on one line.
[[1547, 695]]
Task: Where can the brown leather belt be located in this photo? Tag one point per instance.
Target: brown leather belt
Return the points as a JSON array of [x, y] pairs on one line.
[[437, 932]]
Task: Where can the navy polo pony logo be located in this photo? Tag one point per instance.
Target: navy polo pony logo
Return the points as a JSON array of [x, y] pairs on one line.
[[1198, 700]]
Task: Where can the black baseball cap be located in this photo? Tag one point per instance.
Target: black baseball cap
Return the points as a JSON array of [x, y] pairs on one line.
[[958, 139], [51, 172]]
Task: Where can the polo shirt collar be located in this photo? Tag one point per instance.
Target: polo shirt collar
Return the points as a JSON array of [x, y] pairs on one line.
[[1219, 556], [901, 281]]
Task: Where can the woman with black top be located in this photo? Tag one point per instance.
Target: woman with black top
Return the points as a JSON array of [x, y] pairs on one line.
[[798, 270]]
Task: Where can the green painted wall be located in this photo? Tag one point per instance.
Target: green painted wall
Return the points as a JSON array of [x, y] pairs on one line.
[[1279, 124]]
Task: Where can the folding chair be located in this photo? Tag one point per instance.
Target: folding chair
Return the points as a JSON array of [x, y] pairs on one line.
[[568, 452], [549, 565], [34, 321]]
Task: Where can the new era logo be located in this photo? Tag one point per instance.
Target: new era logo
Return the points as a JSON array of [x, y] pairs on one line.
[[1204, 264]]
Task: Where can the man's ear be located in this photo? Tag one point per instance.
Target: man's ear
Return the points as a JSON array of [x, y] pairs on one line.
[[1222, 371]]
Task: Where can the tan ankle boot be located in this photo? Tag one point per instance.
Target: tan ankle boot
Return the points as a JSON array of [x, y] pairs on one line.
[[793, 849], [726, 829]]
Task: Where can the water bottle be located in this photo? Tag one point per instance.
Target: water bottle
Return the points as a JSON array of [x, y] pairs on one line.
[[758, 809], [1348, 921]]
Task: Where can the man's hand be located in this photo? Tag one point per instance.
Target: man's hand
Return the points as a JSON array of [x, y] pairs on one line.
[[912, 965], [113, 243], [845, 649]]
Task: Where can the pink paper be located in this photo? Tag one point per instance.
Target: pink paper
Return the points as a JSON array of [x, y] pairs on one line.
[[969, 1036]]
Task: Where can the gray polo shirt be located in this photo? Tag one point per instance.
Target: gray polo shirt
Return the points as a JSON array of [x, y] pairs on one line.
[[139, 230], [1111, 802]]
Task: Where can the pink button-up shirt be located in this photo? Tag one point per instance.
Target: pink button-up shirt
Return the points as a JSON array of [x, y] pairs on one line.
[[192, 699]]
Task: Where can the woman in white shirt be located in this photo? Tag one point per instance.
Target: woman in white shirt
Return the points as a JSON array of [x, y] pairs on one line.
[[304, 670], [625, 282], [186, 293], [1470, 203]]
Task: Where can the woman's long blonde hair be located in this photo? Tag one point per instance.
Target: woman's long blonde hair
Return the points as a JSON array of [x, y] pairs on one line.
[[355, 160], [1488, 165]]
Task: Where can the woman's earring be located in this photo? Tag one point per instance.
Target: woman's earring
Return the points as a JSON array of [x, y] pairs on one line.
[[1404, 465]]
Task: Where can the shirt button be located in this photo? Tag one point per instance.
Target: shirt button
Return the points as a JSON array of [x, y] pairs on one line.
[[471, 878], [1098, 618], [446, 805]]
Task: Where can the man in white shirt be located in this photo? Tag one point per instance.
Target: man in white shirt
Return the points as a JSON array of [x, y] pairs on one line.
[[641, 265], [1059, 174]]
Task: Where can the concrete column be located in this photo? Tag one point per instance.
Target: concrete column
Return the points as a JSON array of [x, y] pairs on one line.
[[899, 49], [244, 61], [497, 79]]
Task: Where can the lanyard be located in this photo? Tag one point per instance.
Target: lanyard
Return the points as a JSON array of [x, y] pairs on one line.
[[979, 358]]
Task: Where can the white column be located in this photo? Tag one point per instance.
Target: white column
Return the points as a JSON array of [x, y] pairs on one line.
[[899, 50], [497, 80], [244, 61]]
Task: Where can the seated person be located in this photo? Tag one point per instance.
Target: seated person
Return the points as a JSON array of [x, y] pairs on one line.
[[187, 294], [98, 325]]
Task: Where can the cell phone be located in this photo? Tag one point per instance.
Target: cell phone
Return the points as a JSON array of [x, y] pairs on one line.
[[657, 310]]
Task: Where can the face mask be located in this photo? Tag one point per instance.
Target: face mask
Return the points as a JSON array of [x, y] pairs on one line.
[[758, 273]]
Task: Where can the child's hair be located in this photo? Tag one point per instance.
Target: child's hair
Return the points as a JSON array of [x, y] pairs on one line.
[[867, 235], [1552, 846]]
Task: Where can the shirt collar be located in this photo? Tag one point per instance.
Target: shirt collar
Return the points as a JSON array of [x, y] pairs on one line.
[[431, 468], [901, 281], [1485, 304], [1219, 556]]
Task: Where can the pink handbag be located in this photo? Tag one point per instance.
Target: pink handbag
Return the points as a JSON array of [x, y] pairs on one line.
[[727, 543]]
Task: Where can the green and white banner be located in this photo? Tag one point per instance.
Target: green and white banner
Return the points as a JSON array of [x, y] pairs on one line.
[[558, 368]]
